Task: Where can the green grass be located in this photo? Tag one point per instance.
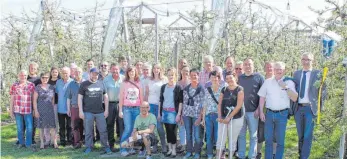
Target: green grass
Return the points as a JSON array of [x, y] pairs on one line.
[[8, 151], [5, 117]]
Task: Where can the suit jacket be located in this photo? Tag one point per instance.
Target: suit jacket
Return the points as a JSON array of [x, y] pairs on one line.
[[313, 90]]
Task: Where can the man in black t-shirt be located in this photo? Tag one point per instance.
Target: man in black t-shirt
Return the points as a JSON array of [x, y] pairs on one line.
[[90, 96]]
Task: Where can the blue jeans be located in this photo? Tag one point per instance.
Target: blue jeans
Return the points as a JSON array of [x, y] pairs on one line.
[[28, 119], [129, 116], [182, 134], [211, 131], [154, 110], [304, 120], [252, 123], [100, 121], [190, 129], [275, 124]]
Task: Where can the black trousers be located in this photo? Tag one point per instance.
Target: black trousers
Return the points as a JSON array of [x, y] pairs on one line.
[[64, 128], [171, 135]]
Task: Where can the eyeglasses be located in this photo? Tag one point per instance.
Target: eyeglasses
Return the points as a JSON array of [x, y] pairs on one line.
[[306, 60], [238, 68], [44, 77], [103, 65]]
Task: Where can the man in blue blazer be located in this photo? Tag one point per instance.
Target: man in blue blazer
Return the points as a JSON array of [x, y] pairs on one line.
[[308, 82]]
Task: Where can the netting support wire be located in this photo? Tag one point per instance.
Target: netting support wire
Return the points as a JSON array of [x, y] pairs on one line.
[[126, 34], [156, 53], [36, 30], [343, 137], [47, 25]]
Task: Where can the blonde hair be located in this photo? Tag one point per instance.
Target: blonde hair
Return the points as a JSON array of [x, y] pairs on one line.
[[161, 73], [174, 71]]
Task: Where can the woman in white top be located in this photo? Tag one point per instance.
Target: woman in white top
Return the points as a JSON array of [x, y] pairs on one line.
[[152, 96]]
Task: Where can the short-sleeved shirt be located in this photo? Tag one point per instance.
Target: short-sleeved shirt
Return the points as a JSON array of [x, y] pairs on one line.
[[36, 80], [60, 89], [131, 94], [204, 77], [22, 97], [154, 90], [169, 97], [85, 76], [72, 93], [276, 97], [195, 109], [210, 103], [92, 96], [144, 123], [113, 87], [53, 83], [251, 85], [230, 100]]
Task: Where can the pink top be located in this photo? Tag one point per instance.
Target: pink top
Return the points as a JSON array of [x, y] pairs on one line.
[[131, 94]]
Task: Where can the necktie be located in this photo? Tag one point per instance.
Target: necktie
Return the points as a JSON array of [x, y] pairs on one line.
[[303, 85]]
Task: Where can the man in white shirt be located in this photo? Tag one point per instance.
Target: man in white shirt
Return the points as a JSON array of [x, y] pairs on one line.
[[277, 93], [307, 109]]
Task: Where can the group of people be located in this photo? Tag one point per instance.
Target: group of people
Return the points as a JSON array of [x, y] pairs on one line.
[[183, 107]]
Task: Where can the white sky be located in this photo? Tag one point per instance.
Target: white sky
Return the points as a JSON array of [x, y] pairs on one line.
[[298, 8]]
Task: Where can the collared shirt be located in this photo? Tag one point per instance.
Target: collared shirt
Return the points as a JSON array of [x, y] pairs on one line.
[[305, 99], [22, 97], [211, 105], [60, 88], [85, 76], [193, 110], [113, 87], [276, 97], [222, 83], [204, 77], [102, 78], [72, 93], [122, 72]]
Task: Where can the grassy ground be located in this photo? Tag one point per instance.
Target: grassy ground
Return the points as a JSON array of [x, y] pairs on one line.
[[9, 151]]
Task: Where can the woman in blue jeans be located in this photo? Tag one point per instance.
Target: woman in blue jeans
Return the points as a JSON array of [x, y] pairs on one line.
[[211, 112], [152, 96], [130, 99], [191, 110]]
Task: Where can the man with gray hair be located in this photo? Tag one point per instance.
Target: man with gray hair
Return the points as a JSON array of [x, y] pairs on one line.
[[277, 92], [307, 109], [204, 75], [63, 118]]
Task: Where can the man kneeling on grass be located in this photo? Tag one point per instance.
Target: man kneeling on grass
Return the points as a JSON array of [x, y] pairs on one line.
[[144, 132]]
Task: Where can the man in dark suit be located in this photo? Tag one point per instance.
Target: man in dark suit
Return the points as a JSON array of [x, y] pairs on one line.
[[308, 81]]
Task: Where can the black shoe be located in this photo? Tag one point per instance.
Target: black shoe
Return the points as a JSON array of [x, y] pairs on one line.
[[273, 156], [34, 142], [17, 143], [62, 143], [258, 156]]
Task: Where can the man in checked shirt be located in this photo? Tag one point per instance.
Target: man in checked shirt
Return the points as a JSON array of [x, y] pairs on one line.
[[21, 108]]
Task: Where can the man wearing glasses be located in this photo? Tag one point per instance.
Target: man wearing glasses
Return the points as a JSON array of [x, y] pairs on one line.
[[144, 132], [306, 112], [238, 68], [103, 70]]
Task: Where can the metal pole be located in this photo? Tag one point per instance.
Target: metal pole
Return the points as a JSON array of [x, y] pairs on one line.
[[343, 137], [156, 39]]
